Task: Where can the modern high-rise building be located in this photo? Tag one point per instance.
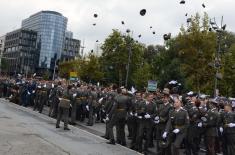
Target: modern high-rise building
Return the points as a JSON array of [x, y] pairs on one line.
[[71, 47], [21, 52], [2, 43], [51, 27]]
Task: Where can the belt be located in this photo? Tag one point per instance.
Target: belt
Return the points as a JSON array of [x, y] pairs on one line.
[[121, 109], [178, 126]]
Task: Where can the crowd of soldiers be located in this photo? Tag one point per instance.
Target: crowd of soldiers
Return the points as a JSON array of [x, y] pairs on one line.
[[163, 119]]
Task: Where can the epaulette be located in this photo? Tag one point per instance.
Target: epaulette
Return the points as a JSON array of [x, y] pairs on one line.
[[183, 109]]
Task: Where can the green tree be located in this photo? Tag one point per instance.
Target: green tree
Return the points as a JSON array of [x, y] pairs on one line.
[[91, 69], [167, 64], [115, 54], [141, 76], [227, 84], [197, 46]]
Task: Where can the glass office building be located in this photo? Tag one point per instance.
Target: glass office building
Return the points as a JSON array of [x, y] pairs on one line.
[[51, 27]]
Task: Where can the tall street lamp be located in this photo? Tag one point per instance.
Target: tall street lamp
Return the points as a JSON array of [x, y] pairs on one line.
[[129, 58], [217, 63]]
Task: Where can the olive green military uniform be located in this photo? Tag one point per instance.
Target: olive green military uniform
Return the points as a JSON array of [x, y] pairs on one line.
[[118, 118], [210, 124], [228, 132], [92, 103], [178, 119], [73, 96], [194, 131], [145, 124], [43, 98], [63, 108], [161, 121]]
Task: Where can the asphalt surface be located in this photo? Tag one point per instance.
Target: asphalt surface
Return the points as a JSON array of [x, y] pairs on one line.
[[25, 132]]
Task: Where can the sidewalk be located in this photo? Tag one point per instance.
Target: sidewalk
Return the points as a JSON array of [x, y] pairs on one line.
[[25, 132]]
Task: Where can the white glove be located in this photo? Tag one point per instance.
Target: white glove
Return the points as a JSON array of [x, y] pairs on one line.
[[176, 131], [131, 113], [28, 93], [231, 125], [199, 124], [164, 135], [147, 116], [136, 114], [87, 108], [156, 122], [100, 100], [74, 95], [221, 130], [33, 91], [156, 118], [140, 117], [106, 119]]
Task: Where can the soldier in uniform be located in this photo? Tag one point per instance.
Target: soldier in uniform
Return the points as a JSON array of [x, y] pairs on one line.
[[43, 98], [117, 117], [177, 125], [146, 112], [73, 95], [92, 103], [133, 120], [228, 130], [210, 123], [164, 107], [108, 107], [195, 128], [37, 97], [64, 105]]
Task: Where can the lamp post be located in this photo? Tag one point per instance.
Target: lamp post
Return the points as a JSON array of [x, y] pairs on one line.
[[129, 58], [219, 30]]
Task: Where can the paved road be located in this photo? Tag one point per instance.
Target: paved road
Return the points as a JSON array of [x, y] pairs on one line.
[[25, 132]]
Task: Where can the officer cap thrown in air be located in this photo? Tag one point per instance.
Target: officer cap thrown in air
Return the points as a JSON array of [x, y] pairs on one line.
[[143, 12]]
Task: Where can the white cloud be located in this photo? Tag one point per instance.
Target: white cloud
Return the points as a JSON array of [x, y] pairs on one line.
[[164, 15]]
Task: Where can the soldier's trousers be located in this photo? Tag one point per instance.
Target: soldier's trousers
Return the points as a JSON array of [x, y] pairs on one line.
[[192, 140], [55, 104], [144, 126], [130, 125], [42, 102], [229, 144], [36, 103], [90, 116], [106, 135], [63, 112], [134, 127], [120, 124], [210, 145], [120, 130], [74, 112], [160, 128], [177, 140]]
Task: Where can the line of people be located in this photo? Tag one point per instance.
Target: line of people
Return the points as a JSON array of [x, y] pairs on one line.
[[162, 119]]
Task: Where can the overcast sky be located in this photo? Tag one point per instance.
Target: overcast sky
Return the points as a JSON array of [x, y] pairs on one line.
[[164, 15]]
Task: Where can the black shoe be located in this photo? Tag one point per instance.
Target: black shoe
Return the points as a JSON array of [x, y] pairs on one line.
[[104, 137], [123, 144], [151, 145], [66, 129], [73, 123], [119, 142], [57, 126], [112, 142], [89, 124]]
